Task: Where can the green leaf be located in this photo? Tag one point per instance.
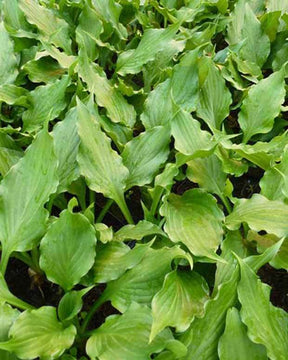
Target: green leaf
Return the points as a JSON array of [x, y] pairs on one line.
[[15, 21], [109, 12], [66, 142], [181, 297], [114, 259], [88, 31], [51, 27], [256, 43], [8, 64], [47, 102], [7, 317], [203, 335], [10, 153], [45, 70], [156, 111], [144, 154], [274, 185], [107, 95], [131, 330], [71, 304], [277, 5], [142, 282], [245, 29], [260, 316], [38, 333], [260, 214], [184, 82], [195, 220], [208, 173], [68, 249], [14, 95], [214, 97], [267, 242], [23, 193], [137, 232], [152, 42], [189, 138], [234, 343], [99, 164], [262, 105]]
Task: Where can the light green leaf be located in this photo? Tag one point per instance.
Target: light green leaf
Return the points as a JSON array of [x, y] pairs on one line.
[[267, 242], [260, 214], [142, 282], [156, 111], [232, 244], [214, 97], [8, 63], [277, 5], [231, 162], [68, 249], [114, 259], [137, 232], [38, 333], [165, 179], [274, 184], [184, 82], [203, 335], [88, 31], [7, 317], [103, 232], [246, 29], [99, 164], [263, 154], [181, 297], [262, 105], [256, 43], [10, 153], [23, 193], [71, 304], [152, 42], [66, 140], [47, 102], [15, 21], [235, 344], [144, 155], [131, 330], [45, 70], [189, 138], [109, 12], [107, 95], [51, 27], [208, 173], [195, 220], [14, 95], [260, 316]]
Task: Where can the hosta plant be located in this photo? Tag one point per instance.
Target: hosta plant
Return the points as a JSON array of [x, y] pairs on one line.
[[144, 179]]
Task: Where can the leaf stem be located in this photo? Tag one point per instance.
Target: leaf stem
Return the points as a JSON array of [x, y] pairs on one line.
[[104, 210], [226, 203], [156, 199], [120, 200], [92, 311], [4, 260]]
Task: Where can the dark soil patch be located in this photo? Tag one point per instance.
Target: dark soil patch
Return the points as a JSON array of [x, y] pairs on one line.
[[35, 291], [278, 280], [247, 184]]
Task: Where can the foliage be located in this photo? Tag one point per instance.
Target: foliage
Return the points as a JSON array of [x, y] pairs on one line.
[[126, 130]]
